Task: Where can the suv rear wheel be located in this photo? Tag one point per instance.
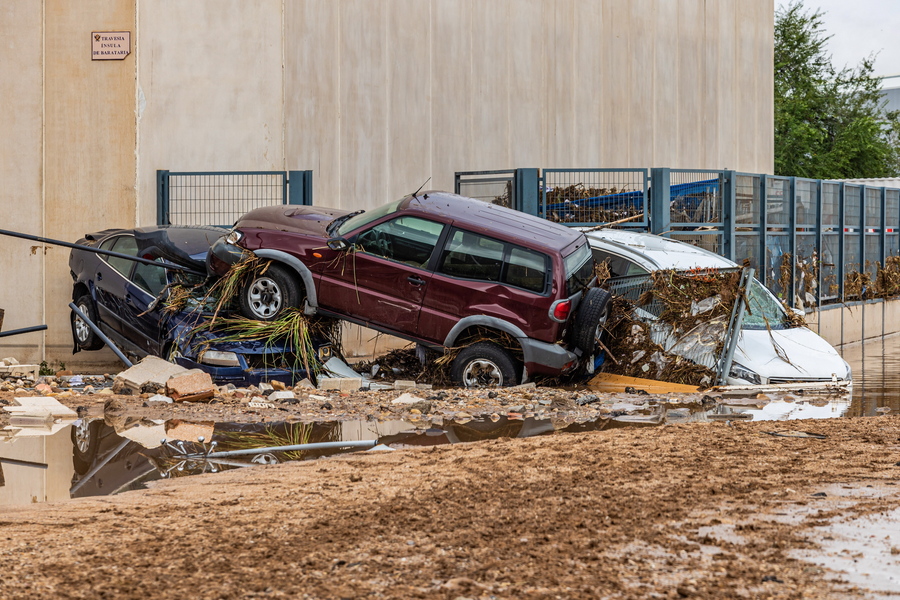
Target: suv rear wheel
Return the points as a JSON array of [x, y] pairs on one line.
[[593, 313], [484, 364], [265, 296]]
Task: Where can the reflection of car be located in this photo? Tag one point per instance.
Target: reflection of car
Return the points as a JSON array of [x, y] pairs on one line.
[[766, 325], [437, 269], [119, 296]]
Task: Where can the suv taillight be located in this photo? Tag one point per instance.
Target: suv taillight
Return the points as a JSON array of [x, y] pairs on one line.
[[561, 310]]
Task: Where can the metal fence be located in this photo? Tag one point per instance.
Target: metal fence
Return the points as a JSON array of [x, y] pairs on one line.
[[219, 198], [811, 241]]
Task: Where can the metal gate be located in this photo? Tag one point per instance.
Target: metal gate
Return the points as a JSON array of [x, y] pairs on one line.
[[220, 198]]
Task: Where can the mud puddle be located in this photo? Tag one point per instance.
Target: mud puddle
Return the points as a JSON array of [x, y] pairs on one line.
[[91, 457]]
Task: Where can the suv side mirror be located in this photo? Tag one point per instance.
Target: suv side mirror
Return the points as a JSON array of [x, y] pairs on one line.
[[338, 244]]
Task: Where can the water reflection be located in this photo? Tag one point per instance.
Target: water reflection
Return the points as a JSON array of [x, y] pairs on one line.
[[92, 457], [876, 375]]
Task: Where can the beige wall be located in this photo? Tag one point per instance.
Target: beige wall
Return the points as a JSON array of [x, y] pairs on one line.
[[377, 101], [374, 96]]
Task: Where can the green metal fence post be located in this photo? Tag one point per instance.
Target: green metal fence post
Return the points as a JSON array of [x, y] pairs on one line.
[[527, 189], [162, 198], [300, 187], [729, 206], [660, 199]]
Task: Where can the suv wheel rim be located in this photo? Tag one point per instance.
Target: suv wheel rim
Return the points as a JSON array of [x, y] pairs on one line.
[[482, 373], [265, 297], [82, 330], [82, 435]]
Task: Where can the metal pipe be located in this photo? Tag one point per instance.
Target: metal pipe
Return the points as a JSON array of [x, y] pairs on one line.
[[25, 330], [101, 335], [146, 261], [22, 463], [294, 448], [734, 325]]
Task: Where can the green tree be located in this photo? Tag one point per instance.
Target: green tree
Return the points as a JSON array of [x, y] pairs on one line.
[[829, 123]]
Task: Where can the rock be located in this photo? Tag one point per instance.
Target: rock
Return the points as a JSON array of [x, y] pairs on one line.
[[524, 386], [278, 386], [191, 386], [43, 388], [64, 373], [586, 399], [113, 406], [404, 384]]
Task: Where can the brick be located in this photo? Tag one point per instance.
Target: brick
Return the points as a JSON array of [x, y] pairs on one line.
[[191, 386], [404, 384], [282, 395], [342, 384]]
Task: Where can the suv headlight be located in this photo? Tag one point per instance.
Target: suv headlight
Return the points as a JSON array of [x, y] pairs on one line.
[[234, 236], [739, 371], [220, 359]]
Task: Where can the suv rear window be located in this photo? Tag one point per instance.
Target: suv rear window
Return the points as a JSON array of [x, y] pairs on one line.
[[470, 255], [579, 269]]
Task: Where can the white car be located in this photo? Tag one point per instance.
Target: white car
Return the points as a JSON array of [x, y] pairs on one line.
[[757, 360]]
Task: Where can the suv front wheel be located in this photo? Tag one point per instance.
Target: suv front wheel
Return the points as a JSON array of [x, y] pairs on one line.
[[265, 296], [484, 364]]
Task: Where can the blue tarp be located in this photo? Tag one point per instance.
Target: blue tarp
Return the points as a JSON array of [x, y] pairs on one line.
[[684, 194]]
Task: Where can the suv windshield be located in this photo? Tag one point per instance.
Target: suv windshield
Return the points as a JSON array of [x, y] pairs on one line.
[[364, 218], [579, 269], [764, 310]]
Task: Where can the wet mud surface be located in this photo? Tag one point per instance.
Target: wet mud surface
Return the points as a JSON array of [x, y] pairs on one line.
[[721, 509]]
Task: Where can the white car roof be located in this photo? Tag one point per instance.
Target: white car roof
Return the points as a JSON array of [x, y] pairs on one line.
[[654, 252]]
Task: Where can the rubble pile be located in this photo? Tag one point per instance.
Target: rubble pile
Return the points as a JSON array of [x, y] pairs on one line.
[[683, 311]]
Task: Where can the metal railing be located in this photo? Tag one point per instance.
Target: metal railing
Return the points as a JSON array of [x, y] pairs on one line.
[[811, 241], [219, 198]]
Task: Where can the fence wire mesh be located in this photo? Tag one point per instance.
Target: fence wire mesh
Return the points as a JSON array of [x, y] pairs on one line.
[[594, 196], [221, 198]]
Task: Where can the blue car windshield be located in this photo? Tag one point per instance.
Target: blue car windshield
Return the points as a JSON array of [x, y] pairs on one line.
[[363, 219]]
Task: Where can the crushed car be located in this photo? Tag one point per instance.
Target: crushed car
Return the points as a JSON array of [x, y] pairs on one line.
[[132, 304], [773, 347], [510, 294]]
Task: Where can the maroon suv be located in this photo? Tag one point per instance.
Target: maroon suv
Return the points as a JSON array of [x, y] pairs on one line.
[[515, 292]]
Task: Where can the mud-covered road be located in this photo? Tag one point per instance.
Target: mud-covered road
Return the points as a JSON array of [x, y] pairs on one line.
[[695, 510]]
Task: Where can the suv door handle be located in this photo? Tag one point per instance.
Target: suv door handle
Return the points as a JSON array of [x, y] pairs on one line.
[[417, 281]]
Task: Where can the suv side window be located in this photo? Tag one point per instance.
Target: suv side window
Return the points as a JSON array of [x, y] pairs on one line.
[[409, 240], [469, 255]]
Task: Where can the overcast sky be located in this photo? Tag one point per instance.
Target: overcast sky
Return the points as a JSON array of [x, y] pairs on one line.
[[859, 28]]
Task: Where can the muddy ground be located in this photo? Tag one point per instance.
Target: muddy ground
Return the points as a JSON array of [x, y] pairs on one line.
[[694, 510]]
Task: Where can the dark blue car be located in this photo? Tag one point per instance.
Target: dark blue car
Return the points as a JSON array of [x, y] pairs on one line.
[[121, 297]]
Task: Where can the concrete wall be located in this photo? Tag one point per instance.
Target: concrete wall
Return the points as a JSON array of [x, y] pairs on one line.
[[857, 322], [377, 101], [374, 96]]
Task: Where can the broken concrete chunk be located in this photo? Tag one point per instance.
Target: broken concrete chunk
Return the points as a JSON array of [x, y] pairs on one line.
[[404, 384], [9, 360], [40, 406], [160, 398], [305, 384], [412, 402], [191, 386], [151, 372], [341, 384], [278, 386], [265, 387], [282, 395]]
